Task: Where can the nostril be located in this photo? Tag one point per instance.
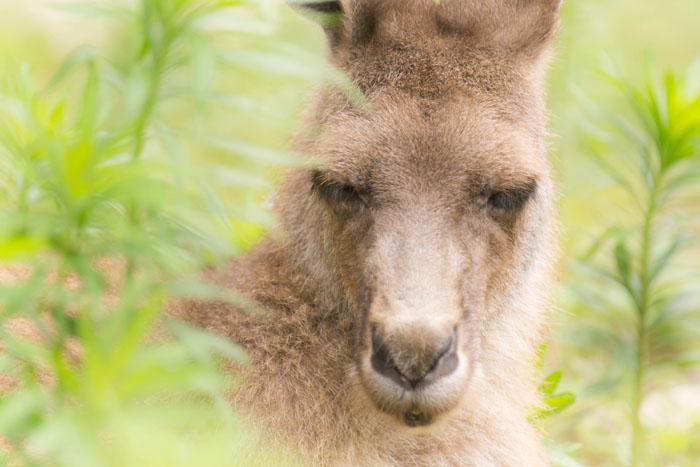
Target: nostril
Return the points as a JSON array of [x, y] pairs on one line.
[[444, 363], [446, 360], [384, 364]]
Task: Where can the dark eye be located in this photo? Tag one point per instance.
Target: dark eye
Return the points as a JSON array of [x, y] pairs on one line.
[[509, 201], [340, 193], [506, 201], [334, 192]]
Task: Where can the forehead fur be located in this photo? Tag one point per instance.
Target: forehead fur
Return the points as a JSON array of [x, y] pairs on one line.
[[395, 141]]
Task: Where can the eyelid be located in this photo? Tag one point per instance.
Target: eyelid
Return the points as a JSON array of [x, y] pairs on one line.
[[336, 190], [513, 197], [525, 187]]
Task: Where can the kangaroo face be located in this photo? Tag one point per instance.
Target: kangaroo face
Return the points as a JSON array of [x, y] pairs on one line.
[[433, 208], [432, 226]]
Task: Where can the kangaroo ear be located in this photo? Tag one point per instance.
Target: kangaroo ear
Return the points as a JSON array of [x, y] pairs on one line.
[[330, 15], [520, 26]]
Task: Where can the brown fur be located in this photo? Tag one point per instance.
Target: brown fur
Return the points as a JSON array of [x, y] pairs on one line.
[[417, 251]]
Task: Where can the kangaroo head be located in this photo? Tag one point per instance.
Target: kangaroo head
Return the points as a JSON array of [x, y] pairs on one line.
[[431, 216]]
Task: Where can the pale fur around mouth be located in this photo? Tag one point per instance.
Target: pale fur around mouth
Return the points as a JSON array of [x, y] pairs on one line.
[[433, 401]]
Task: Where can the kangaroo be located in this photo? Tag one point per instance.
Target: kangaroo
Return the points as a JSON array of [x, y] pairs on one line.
[[408, 292]]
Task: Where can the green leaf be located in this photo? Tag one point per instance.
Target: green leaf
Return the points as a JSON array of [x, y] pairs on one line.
[[550, 383], [676, 245], [622, 259], [79, 57], [559, 402], [254, 153], [20, 247]]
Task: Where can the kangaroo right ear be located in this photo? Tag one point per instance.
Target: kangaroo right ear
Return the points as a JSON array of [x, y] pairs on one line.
[[330, 15]]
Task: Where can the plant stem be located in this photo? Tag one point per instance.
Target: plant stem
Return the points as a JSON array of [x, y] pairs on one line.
[[642, 304], [159, 56], [150, 102]]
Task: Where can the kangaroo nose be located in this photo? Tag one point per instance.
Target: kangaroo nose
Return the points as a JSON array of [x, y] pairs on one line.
[[408, 366]]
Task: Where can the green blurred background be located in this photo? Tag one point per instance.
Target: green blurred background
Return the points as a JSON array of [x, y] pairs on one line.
[[635, 37]]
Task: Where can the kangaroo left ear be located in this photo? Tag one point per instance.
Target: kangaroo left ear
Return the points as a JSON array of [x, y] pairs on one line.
[[329, 15]]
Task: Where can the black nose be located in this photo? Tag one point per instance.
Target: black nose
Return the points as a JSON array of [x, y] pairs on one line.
[[407, 367]]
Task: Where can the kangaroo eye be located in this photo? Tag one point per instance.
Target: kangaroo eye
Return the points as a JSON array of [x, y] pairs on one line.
[[340, 193], [334, 192], [510, 201], [506, 201]]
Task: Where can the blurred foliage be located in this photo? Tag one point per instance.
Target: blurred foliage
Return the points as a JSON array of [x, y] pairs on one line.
[[634, 292], [553, 401], [104, 217]]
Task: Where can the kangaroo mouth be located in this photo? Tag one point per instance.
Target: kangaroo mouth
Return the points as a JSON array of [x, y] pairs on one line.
[[414, 399]]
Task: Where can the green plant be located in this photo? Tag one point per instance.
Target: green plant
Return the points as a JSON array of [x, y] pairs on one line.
[[554, 402], [105, 217], [635, 290]]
